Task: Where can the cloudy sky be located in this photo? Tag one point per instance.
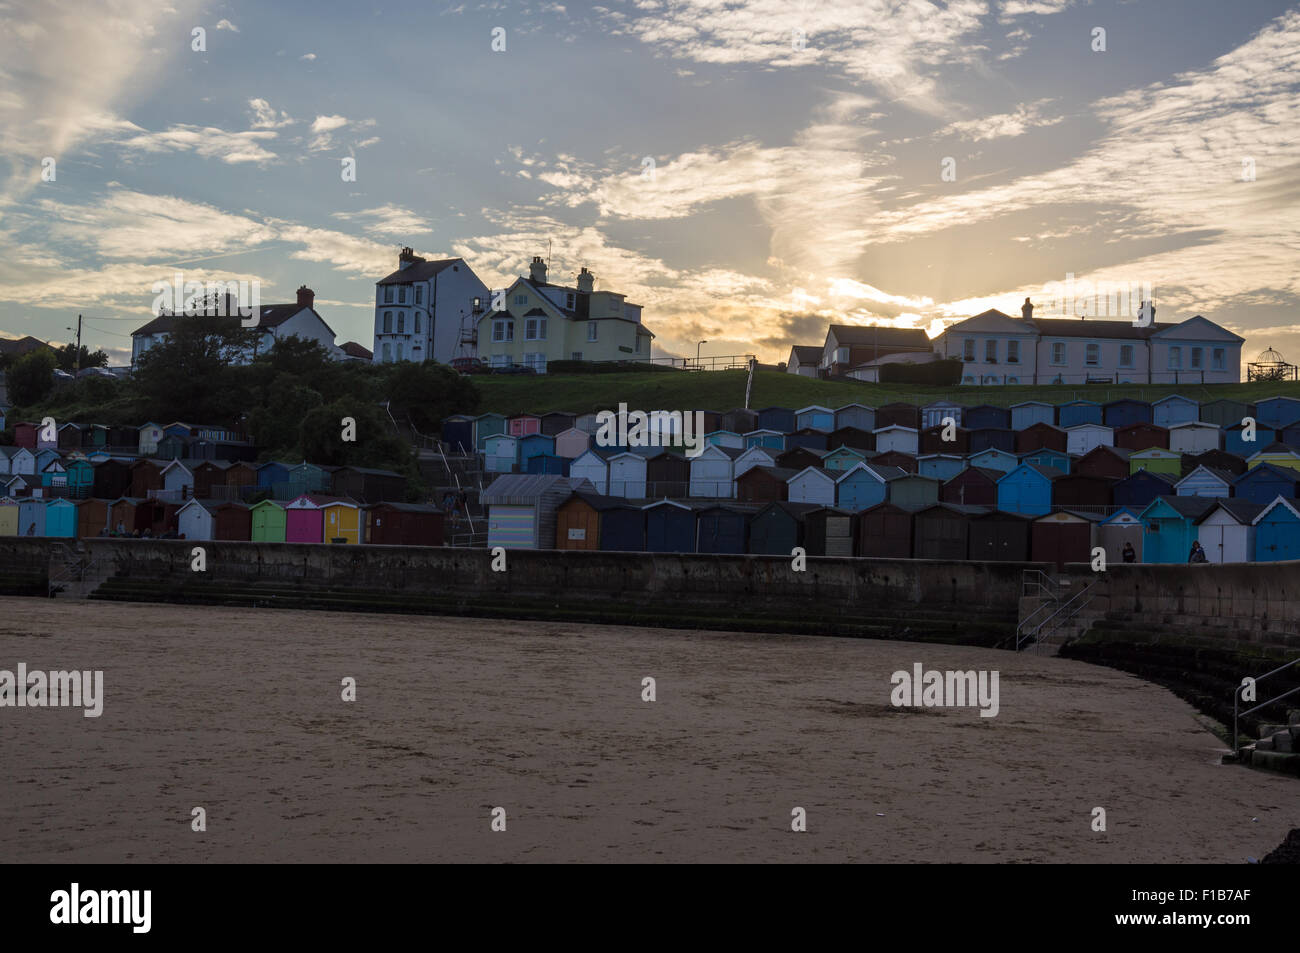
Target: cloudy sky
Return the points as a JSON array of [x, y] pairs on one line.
[[748, 171]]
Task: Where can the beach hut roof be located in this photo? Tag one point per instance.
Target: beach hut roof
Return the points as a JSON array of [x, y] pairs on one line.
[[1279, 501], [1243, 511]]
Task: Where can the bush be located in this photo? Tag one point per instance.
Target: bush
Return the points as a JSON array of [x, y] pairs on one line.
[[943, 373], [31, 378]]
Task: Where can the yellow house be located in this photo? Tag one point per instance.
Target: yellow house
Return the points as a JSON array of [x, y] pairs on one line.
[[8, 517], [341, 519], [1278, 454], [535, 323]]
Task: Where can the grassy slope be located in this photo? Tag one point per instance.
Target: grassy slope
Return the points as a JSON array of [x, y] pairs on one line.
[[724, 390]]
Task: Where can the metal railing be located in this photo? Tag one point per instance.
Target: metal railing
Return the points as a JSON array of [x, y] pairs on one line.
[[1063, 613], [1236, 700]]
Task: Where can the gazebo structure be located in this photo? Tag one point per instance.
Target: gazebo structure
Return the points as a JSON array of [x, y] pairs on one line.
[[1270, 366]]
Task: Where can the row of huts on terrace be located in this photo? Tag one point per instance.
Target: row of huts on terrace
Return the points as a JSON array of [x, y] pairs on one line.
[[164, 441]]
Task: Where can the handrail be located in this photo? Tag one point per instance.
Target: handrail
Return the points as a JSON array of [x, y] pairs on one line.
[[1024, 635], [1236, 699]]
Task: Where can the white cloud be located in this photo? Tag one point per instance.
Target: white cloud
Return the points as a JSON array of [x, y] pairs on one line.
[[227, 25], [326, 129], [387, 220], [208, 142], [265, 115], [307, 57], [1024, 117]]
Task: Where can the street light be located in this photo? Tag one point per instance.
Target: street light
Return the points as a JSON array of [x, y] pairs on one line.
[[697, 352]]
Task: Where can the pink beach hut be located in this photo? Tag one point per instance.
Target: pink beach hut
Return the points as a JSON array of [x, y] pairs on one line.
[[303, 521]]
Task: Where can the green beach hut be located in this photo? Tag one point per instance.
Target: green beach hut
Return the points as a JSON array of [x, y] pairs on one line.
[[267, 522]]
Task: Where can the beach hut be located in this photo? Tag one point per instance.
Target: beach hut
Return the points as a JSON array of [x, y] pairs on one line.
[[546, 463], [341, 520], [555, 422], [61, 519], [31, 516], [858, 417], [1289, 435], [1125, 412], [1027, 489], [1077, 413], [9, 516], [984, 438], [812, 485], [809, 439], [670, 527], [766, 439], [521, 508], [54, 474], [912, 490], [303, 520], [798, 458], [842, 458], [1225, 413], [69, 436], [588, 423], [1041, 436], [1083, 437], [898, 415], [667, 474], [853, 438], [932, 440], [177, 480], [1219, 460], [533, 445], [777, 528], [938, 412], [404, 524], [764, 484], [194, 520], [309, 478], [1142, 436], [627, 475], [20, 485], [973, 486], [897, 438], [232, 522], [588, 521], [272, 476], [523, 424], [1139, 489], [712, 420], [1265, 483], [996, 536], [942, 531], [863, 485], [712, 474], [6, 456], [815, 417], [489, 425], [1227, 531], [1122, 526], [25, 434], [1104, 461], [1076, 491], [1205, 481], [1062, 537], [725, 438], [210, 479], [896, 458], [267, 522], [92, 517], [458, 433], [110, 479], [572, 443], [364, 484], [780, 419], [1171, 527], [1194, 437], [885, 532], [830, 532], [1277, 412], [940, 466], [1156, 460], [994, 459], [1277, 531], [1027, 413], [721, 529], [593, 466], [1244, 441], [1175, 409], [501, 453], [1278, 454], [739, 420], [23, 462], [147, 438], [987, 417]]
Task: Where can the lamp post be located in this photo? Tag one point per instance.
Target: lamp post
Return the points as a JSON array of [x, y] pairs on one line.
[[697, 352]]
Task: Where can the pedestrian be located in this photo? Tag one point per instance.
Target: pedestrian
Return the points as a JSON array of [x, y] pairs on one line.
[[1129, 555], [1197, 555]]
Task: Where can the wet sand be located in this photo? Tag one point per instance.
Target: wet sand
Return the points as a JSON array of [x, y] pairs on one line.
[[239, 711]]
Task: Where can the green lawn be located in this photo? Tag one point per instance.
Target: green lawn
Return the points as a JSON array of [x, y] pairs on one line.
[[725, 390]]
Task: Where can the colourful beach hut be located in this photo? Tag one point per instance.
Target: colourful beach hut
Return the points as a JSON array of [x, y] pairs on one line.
[[1265, 483], [1027, 489], [1078, 412], [777, 528], [670, 527], [341, 519], [31, 517], [1171, 527], [267, 522], [194, 520], [1173, 410], [1030, 412], [1277, 531], [303, 521], [994, 459], [1156, 460], [1205, 481], [1139, 489], [9, 516], [61, 519]]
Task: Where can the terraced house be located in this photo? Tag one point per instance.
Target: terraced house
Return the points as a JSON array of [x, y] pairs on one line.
[[540, 322]]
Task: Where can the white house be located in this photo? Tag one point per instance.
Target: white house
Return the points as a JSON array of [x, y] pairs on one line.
[[427, 310], [998, 349], [275, 322], [804, 359]]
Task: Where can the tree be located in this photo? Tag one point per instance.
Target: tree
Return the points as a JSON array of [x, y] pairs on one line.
[[376, 445], [195, 373], [423, 394], [68, 357], [30, 378]]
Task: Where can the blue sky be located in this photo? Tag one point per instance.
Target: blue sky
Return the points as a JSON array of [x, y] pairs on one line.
[[797, 149]]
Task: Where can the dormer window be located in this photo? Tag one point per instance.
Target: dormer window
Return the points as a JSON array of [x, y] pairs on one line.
[[570, 300]]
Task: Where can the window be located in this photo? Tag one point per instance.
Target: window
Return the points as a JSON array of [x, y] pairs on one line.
[[503, 330], [399, 351], [521, 299], [1058, 352], [569, 301], [535, 329], [388, 351], [1217, 359], [388, 294], [388, 322], [1175, 358], [536, 360], [576, 356], [968, 349], [638, 344], [1092, 355], [1196, 359], [1013, 352], [592, 327], [401, 322], [401, 295], [419, 294], [990, 352], [417, 322], [1126, 355]]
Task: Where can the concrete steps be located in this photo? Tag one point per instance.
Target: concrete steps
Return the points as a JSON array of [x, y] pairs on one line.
[[1278, 747]]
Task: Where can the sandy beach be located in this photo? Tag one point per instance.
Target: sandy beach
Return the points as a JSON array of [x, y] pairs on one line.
[[240, 712]]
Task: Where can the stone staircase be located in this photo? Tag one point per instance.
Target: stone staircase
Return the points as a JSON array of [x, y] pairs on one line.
[[72, 574], [1278, 747]]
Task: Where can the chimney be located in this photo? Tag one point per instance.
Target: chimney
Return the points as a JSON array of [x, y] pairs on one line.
[[586, 281], [305, 297], [1027, 311], [537, 271], [407, 257]]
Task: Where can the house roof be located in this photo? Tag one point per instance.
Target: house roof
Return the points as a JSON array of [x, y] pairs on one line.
[[1243, 511], [1286, 473], [269, 316], [1222, 475], [807, 353], [524, 489], [857, 334], [419, 271], [353, 349], [1189, 507], [1093, 328], [1280, 501]]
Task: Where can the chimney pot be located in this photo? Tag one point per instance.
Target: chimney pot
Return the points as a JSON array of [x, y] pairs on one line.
[[537, 270], [305, 297], [1027, 310]]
